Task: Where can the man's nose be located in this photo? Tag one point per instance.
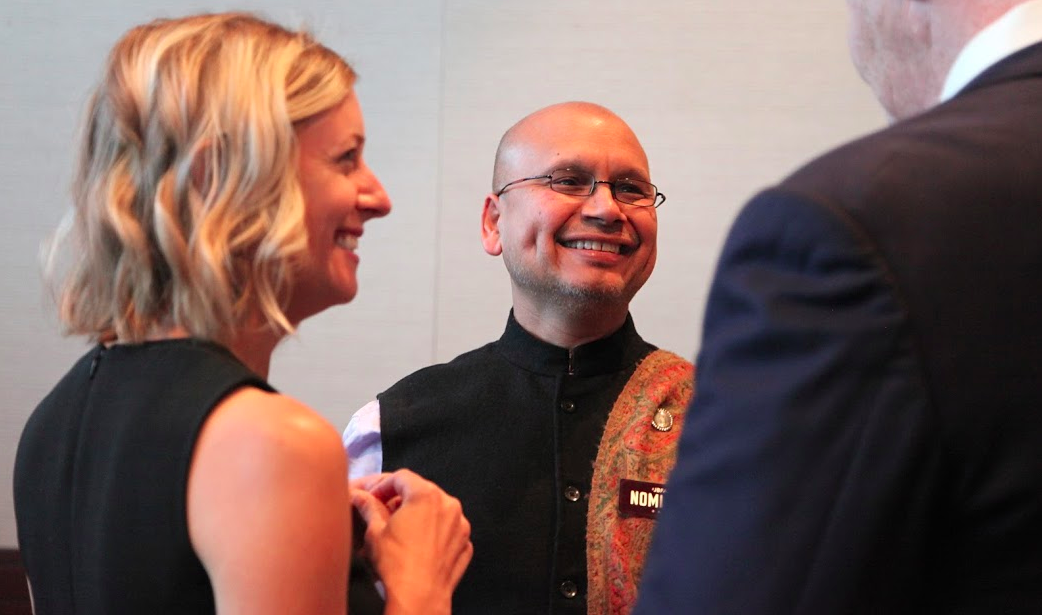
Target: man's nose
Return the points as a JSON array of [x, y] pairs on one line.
[[601, 205]]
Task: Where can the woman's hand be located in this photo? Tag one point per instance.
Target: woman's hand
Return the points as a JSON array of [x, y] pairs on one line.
[[417, 539]]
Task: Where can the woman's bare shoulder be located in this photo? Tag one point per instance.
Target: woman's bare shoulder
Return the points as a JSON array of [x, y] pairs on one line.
[[269, 506], [271, 424]]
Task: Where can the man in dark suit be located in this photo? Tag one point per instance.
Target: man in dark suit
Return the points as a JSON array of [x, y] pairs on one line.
[[867, 432]]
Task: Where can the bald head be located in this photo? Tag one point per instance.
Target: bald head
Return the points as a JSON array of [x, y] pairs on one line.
[[547, 126], [575, 260]]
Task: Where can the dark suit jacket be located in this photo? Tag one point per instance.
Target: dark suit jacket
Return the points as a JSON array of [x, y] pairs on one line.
[[866, 436]]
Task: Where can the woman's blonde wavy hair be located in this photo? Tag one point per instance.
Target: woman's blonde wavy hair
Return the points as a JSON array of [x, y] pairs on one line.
[[187, 209]]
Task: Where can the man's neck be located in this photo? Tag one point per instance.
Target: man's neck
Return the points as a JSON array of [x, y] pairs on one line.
[[994, 32], [568, 328]]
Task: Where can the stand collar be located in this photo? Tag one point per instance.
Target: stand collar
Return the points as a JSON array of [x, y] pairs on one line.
[[609, 354]]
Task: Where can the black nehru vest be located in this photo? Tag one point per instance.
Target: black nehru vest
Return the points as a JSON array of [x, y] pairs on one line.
[[101, 479], [512, 429]]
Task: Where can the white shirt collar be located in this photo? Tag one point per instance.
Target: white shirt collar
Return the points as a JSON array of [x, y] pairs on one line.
[[1018, 28]]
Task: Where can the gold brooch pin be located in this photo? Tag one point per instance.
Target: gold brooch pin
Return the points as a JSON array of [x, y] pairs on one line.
[[663, 420]]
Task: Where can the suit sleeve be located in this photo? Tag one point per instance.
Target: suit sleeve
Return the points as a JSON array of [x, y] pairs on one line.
[[804, 464]]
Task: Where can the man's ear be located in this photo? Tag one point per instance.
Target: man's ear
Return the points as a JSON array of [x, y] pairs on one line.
[[490, 226]]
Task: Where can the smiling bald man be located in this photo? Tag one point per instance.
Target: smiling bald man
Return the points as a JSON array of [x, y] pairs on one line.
[[558, 437]]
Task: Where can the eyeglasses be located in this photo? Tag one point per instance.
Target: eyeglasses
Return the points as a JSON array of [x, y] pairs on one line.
[[582, 183]]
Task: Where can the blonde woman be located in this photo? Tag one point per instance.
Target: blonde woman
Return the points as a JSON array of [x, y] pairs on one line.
[[220, 198]]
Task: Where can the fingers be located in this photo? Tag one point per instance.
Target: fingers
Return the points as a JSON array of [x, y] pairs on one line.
[[364, 482], [462, 561], [403, 487], [465, 550], [393, 488], [372, 510], [418, 538], [404, 483], [394, 504]]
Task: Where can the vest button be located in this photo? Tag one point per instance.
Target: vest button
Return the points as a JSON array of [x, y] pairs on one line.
[[568, 406], [572, 493], [568, 589]]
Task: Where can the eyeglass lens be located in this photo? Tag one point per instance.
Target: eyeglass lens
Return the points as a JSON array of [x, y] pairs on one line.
[[582, 183]]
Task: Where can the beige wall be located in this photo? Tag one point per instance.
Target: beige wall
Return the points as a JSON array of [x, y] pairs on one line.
[[726, 96]]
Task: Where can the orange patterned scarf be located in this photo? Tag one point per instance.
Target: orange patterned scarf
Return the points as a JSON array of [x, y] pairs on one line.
[[632, 448]]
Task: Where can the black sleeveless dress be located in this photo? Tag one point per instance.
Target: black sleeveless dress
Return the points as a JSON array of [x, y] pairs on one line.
[[101, 479]]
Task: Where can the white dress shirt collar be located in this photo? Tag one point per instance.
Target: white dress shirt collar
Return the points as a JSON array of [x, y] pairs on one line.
[[1018, 28]]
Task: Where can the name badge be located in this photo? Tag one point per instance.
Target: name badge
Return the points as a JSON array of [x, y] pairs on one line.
[[640, 499]]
